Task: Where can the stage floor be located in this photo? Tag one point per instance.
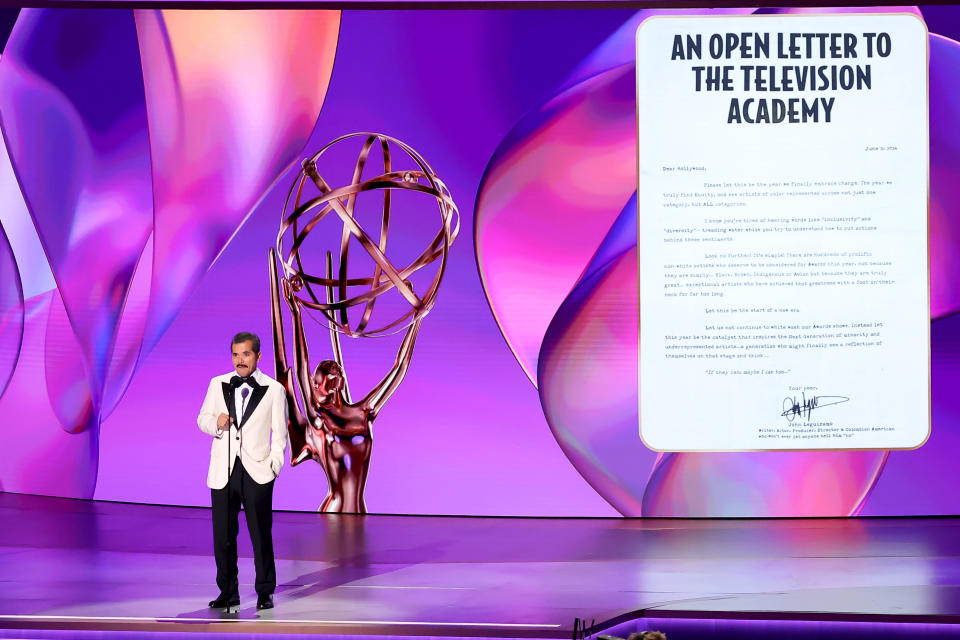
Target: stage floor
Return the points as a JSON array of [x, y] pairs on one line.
[[74, 564]]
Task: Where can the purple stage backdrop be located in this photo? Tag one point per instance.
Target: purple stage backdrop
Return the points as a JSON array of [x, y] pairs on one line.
[[146, 156]]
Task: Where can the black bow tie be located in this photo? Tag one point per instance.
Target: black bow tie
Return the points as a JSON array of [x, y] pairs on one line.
[[237, 381]]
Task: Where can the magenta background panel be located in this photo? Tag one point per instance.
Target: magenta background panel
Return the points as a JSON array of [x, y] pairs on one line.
[[125, 271]]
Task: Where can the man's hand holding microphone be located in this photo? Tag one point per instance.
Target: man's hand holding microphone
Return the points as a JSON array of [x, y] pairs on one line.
[[223, 422]]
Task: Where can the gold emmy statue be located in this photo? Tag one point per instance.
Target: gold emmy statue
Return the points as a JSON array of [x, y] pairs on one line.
[[331, 427]]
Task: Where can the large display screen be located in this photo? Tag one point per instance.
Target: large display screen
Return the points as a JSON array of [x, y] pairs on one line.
[[152, 160], [783, 232]]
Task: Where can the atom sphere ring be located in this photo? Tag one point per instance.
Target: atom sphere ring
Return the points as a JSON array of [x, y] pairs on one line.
[[303, 213]]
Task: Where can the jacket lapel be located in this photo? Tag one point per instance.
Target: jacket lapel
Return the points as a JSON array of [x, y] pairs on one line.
[[228, 398], [255, 399]]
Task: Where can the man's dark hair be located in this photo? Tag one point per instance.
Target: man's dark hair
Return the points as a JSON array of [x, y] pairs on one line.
[[243, 336]]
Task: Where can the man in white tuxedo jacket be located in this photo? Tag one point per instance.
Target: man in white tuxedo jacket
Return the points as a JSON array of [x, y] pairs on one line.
[[246, 413]]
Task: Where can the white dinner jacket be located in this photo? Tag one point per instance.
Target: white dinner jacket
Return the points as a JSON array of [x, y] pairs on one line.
[[262, 434]]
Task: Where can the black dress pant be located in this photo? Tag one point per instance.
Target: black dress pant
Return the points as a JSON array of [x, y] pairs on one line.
[[257, 500]]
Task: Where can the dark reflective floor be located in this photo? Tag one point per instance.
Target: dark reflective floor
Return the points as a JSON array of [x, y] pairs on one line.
[[92, 565]]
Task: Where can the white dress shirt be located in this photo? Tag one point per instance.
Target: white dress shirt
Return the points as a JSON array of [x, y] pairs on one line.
[[240, 404], [239, 401]]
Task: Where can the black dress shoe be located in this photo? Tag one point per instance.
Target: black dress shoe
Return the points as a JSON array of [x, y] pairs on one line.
[[265, 602], [225, 602]]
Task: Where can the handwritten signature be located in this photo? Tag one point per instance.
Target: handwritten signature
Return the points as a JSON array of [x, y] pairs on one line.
[[792, 408]]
